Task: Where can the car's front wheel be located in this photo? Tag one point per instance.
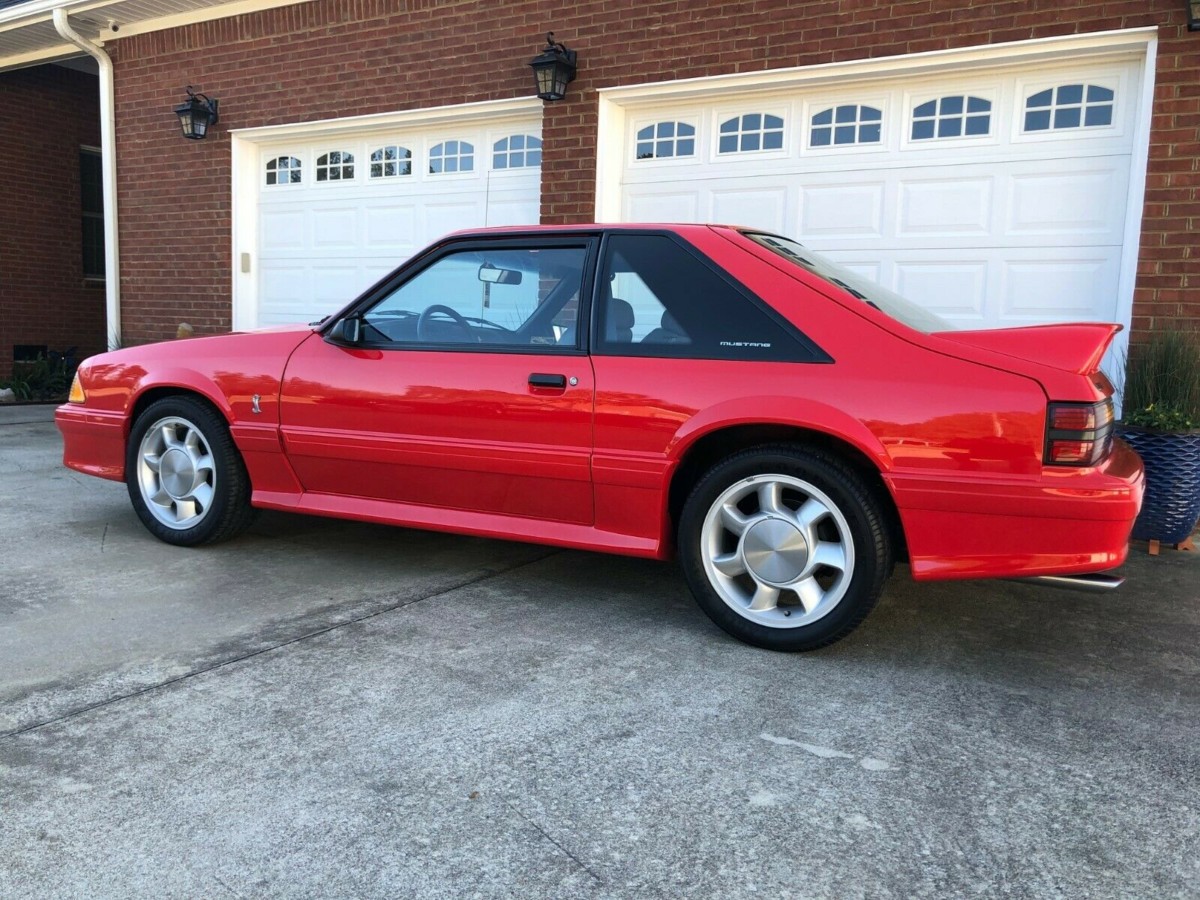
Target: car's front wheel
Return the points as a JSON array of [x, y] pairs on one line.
[[784, 547], [185, 477]]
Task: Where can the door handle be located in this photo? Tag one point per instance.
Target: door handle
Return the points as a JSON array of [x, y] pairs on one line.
[[542, 380]]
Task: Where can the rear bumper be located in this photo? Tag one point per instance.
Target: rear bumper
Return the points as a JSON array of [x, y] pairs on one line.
[[1061, 522], [93, 442]]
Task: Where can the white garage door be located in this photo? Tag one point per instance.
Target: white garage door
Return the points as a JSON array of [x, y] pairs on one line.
[[993, 196], [337, 212]]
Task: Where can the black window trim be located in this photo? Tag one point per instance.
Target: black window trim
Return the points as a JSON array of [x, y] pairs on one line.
[[587, 240], [93, 215], [600, 347]]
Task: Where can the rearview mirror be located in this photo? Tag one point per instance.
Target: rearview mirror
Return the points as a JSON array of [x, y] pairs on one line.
[[494, 275], [347, 331]]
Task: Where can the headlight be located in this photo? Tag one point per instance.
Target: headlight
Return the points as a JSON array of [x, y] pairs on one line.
[[77, 395]]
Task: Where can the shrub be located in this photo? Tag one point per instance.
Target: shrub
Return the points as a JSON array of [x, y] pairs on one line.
[[46, 378], [1162, 382]]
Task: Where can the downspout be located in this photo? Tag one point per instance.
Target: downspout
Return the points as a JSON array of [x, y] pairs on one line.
[[108, 166]]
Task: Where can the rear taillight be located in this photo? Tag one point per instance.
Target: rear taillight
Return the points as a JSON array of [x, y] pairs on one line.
[[1078, 434]]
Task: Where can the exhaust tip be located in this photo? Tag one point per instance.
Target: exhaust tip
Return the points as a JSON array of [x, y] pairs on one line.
[[1095, 583]]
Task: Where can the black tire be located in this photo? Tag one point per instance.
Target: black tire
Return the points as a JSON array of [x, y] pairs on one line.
[[216, 506], [779, 500]]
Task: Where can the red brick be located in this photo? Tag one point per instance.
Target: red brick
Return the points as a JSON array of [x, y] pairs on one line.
[[43, 297]]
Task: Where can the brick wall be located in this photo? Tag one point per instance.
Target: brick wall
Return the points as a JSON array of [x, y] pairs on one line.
[[43, 297], [330, 58]]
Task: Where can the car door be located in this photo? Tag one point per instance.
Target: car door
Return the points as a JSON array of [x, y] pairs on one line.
[[463, 383]]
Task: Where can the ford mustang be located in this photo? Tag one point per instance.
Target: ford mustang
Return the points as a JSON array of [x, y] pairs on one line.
[[785, 427]]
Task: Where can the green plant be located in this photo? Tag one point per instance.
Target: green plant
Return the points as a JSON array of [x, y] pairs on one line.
[[46, 378], [17, 385], [1162, 382]]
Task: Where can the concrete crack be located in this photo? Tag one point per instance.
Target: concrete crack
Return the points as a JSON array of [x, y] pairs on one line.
[[542, 831], [466, 582]]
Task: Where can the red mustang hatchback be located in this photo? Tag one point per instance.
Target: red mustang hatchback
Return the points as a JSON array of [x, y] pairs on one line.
[[787, 428]]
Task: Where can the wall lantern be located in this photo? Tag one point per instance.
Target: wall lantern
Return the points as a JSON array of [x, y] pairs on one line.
[[554, 68], [1193, 14], [196, 114]]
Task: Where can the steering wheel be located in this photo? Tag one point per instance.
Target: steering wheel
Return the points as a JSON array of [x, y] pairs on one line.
[[427, 317]]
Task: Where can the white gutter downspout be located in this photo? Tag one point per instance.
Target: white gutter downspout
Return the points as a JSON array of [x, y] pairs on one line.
[[108, 166]]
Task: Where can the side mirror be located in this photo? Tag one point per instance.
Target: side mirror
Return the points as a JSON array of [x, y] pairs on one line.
[[347, 331]]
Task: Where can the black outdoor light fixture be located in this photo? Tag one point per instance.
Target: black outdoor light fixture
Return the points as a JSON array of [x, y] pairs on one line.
[[553, 69], [196, 114], [1193, 14]]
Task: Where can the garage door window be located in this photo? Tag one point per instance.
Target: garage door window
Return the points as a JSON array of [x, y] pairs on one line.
[[666, 140], [337, 165], [517, 151], [283, 170], [751, 133], [846, 125], [451, 156], [391, 162], [950, 117], [1069, 106]]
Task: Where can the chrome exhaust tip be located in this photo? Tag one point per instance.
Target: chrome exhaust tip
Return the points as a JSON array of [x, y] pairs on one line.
[[1096, 583]]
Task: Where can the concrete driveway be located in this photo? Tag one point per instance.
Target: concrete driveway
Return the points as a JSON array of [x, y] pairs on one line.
[[340, 710]]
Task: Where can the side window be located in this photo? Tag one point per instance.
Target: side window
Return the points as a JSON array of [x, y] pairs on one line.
[[656, 298], [486, 299]]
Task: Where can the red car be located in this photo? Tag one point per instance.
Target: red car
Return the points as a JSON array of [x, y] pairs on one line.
[[789, 429]]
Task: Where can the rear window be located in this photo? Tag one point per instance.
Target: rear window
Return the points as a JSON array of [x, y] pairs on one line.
[[889, 302]]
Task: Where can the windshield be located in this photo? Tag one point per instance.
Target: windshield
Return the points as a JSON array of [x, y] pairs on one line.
[[899, 308]]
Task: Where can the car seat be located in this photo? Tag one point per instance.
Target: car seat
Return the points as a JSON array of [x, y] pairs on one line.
[[668, 332], [620, 321]]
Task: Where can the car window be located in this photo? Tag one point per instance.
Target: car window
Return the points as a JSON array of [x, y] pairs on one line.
[[657, 298], [501, 297], [899, 308]]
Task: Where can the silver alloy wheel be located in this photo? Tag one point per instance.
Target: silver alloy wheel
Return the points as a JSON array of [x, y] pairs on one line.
[[176, 473], [777, 551]]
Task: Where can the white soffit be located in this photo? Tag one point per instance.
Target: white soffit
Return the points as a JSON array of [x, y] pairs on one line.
[[28, 36]]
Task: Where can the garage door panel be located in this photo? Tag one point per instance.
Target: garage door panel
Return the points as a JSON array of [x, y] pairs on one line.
[[844, 210], [283, 289], [390, 228], [514, 207], [441, 218], [1068, 287], [676, 206], [334, 286], [757, 207], [1068, 202], [335, 228], [945, 207], [283, 229], [954, 288]]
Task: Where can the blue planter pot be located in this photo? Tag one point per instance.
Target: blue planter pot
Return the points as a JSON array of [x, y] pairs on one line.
[[1172, 505]]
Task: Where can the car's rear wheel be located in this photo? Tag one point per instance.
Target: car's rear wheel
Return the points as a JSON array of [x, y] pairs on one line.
[[185, 477], [784, 547]]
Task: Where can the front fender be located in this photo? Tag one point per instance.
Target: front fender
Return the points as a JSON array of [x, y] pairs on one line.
[[180, 379]]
